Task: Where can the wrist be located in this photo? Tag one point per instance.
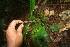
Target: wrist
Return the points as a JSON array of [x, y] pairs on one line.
[[12, 45]]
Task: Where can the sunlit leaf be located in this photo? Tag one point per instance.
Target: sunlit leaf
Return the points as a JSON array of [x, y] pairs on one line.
[[40, 35]]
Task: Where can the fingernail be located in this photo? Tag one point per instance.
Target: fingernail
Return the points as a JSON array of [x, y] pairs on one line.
[[22, 25]]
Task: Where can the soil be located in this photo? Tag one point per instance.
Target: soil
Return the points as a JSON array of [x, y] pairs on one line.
[[59, 38]]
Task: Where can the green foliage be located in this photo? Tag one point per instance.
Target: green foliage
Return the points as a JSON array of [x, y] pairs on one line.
[[39, 35], [34, 18], [42, 17], [32, 6], [45, 1], [24, 33], [40, 31], [55, 27]]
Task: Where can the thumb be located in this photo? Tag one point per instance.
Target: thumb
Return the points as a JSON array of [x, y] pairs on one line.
[[19, 30]]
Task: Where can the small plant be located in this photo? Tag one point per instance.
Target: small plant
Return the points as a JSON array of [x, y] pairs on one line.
[[37, 31]]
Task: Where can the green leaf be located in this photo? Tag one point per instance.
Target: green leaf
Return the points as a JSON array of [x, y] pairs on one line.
[[34, 18], [32, 5], [24, 33], [39, 35], [55, 27], [45, 1]]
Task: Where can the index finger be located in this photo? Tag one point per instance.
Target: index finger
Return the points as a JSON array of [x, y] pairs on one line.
[[14, 22]]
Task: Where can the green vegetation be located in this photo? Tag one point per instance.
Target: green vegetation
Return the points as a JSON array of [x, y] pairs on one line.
[[13, 9]]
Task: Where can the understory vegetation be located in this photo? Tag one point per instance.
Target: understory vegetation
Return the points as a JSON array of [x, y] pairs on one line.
[[47, 22]]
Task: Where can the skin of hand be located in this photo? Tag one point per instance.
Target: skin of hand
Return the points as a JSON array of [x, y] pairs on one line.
[[14, 37]]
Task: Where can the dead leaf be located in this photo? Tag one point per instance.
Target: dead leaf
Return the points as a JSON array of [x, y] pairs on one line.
[[46, 12]]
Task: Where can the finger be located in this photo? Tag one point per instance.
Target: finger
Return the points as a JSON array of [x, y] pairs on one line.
[[19, 30], [13, 23]]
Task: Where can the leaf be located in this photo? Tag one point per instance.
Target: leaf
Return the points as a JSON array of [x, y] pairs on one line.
[[55, 27], [39, 35], [24, 33], [45, 1], [32, 5]]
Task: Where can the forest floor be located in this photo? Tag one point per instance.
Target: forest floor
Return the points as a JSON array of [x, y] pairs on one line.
[[60, 38]]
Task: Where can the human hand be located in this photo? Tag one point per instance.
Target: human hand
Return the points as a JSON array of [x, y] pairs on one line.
[[14, 37]]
